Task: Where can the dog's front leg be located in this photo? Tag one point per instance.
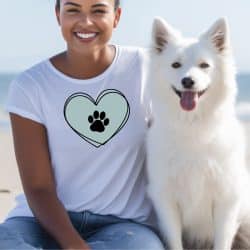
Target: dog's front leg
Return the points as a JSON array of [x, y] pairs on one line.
[[225, 224], [170, 221]]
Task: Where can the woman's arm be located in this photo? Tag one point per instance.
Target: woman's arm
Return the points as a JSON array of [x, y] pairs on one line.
[[33, 159]]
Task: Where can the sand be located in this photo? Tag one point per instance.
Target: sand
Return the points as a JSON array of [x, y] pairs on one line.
[[10, 184]]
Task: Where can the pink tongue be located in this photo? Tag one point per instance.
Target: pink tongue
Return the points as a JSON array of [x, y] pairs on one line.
[[188, 100]]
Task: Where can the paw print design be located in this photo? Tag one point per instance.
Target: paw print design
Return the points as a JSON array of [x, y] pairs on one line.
[[98, 121]]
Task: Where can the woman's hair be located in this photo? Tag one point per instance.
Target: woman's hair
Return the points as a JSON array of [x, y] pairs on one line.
[[117, 4]]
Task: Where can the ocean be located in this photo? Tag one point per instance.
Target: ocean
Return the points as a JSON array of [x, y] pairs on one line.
[[243, 98], [5, 80]]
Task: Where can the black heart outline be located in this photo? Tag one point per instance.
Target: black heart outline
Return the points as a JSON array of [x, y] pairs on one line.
[[95, 102]]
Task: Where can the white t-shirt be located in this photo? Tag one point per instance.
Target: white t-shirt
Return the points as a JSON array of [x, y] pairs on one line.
[[96, 133]]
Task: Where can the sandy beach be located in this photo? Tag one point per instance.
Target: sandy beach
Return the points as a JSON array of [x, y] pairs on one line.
[[10, 183]]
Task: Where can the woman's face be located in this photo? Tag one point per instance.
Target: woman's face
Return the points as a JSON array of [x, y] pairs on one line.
[[87, 25]]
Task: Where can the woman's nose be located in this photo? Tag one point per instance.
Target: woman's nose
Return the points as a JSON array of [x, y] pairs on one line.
[[85, 19]]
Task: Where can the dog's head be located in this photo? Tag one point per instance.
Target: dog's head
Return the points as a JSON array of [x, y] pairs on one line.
[[190, 68]]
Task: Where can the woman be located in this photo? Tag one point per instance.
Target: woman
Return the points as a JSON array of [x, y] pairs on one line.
[[79, 126]]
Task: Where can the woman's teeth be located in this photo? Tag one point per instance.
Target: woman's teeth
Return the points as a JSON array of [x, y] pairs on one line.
[[86, 35]]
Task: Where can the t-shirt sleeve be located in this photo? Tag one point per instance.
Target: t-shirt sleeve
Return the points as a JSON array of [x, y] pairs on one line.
[[23, 100]]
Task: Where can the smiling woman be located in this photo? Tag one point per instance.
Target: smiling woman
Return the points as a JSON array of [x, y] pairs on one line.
[[79, 127], [87, 27]]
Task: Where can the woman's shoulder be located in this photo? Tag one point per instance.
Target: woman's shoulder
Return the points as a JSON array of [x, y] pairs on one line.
[[35, 69], [133, 50], [133, 54], [32, 75]]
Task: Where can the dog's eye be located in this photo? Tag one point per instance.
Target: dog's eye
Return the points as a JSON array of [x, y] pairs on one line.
[[176, 65], [204, 65]]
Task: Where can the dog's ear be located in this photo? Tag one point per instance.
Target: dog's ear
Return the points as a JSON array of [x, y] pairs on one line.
[[218, 34], [162, 34]]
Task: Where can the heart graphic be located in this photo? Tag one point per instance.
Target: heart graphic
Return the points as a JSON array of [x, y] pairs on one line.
[[97, 121]]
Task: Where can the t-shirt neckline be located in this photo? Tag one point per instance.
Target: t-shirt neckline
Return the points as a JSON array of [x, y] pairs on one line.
[[89, 80]]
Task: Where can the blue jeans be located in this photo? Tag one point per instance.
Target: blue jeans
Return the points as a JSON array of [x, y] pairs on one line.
[[100, 232]]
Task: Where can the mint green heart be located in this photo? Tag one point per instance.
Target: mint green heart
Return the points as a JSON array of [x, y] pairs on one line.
[[80, 106]]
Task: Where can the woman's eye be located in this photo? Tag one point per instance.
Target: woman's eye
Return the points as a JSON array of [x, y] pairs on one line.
[[176, 65], [99, 11], [72, 10], [204, 65]]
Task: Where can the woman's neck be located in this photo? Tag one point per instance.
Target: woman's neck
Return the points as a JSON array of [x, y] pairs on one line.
[[84, 66]]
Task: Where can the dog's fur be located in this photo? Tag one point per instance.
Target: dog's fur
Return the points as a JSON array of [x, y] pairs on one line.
[[198, 179]]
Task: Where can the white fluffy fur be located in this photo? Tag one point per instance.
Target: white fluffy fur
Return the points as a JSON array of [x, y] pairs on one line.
[[198, 180]]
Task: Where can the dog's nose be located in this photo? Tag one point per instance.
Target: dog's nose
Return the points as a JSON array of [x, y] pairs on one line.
[[187, 82]]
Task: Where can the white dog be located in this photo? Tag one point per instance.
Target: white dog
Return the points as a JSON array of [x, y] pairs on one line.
[[198, 180]]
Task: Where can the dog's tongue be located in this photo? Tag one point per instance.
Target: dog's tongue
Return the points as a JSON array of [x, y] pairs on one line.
[[188, 100]]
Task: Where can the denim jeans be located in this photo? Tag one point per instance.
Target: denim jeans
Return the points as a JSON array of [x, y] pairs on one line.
[[99, 231]]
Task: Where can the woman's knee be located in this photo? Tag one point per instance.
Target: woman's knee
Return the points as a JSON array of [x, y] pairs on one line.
[[10, 239], [26, 233], [144, 237], [126, 236]]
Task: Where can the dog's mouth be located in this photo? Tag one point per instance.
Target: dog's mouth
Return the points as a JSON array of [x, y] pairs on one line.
[[189, 98]]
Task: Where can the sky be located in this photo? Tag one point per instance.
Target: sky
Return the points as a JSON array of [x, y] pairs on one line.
[[29, 32]]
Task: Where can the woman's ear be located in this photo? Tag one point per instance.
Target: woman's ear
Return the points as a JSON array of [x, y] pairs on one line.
[[57, 11], [118, 12]]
